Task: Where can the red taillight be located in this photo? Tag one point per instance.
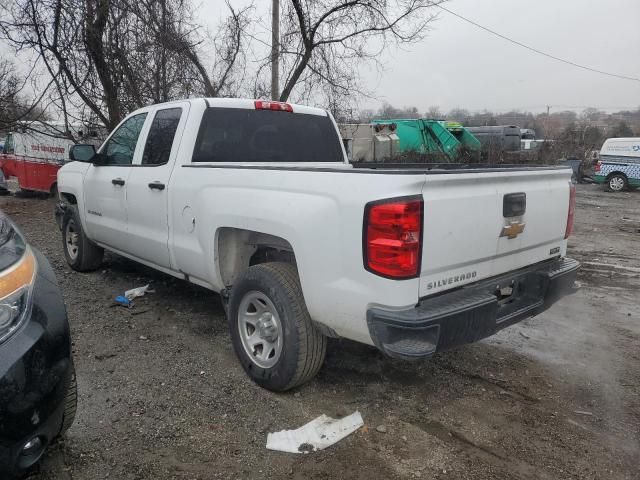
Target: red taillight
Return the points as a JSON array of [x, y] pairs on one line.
[[393, 237], [598, 166], [572, 210], [276, 106]]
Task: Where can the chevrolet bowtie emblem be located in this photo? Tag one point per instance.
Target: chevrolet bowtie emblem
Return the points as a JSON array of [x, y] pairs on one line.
[[512, 230]]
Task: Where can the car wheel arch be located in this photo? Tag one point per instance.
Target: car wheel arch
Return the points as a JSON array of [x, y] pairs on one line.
[[237, 249]]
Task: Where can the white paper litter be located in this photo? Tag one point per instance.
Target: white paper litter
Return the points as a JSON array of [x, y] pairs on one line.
[[318, 434], [137, 292]]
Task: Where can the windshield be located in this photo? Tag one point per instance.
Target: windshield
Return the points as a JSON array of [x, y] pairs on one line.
[[240, 135]]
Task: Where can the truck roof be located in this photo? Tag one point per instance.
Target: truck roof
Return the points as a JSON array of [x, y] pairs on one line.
[[249, 103], [621, 147]]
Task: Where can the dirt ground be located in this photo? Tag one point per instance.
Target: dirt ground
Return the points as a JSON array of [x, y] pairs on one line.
[[162, 396]]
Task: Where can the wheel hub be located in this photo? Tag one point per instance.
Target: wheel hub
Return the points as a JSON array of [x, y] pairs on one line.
[[267, 329], [259, 327], [72, 240], [616, 183]]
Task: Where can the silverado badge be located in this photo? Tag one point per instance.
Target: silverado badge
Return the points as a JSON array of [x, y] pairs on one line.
[[512, 230]]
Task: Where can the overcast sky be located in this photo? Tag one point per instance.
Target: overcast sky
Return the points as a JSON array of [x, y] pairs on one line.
[[460, 65]]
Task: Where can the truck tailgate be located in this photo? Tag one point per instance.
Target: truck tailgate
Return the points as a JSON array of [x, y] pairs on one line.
[[464, 237]]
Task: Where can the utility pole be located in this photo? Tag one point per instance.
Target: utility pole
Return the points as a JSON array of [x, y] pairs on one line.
[[546, 123], [275, 49]]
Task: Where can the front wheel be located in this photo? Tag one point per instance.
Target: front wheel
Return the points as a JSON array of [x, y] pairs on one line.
[[70, 403], [82, 255], [616, 182], [272, 333]]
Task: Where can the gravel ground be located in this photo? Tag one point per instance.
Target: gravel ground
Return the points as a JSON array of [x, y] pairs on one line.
[[162, 396]]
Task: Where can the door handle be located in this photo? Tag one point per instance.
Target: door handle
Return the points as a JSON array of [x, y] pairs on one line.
[[117, 181], [156, 186]]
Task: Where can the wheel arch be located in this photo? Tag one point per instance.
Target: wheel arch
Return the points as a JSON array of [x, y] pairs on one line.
[[70, 198], [611, 175], [237, 249], [616, 172]]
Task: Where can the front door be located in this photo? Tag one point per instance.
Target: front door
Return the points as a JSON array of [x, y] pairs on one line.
[[148, 185], [106, 185]]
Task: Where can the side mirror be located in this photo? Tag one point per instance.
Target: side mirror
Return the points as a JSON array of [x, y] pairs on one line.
[[82, 153]]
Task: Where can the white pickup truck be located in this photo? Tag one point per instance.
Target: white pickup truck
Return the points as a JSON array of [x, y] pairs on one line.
[[257, 201]]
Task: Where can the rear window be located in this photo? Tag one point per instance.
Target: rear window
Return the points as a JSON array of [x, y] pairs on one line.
[[239, 135]]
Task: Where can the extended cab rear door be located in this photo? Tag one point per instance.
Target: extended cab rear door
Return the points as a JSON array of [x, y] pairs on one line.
[[148, 185]]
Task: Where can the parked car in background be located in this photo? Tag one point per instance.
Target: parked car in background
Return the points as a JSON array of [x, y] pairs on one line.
[[527, 134], [256, 200], [33, 153], [619, 164], [37, 378], [497, 140]]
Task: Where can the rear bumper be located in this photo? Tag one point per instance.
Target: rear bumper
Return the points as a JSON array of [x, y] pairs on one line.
[[470, 313]]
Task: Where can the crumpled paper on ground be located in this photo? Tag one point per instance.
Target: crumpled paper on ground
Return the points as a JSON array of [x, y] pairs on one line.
[[318, 434], [137, 292]]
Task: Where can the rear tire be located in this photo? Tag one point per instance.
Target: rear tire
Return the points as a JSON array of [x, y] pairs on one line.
[[616, 183], [272, 333], [82, 255]]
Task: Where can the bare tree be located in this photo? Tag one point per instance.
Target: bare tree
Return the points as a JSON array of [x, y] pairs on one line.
[[108, 57], [9, 89], [458, 115], [323, 42], [434, 113], [14, 105], [388, 111]]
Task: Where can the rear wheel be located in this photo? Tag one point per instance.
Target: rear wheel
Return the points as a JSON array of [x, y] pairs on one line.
[[81, 254], [616, 182], [272, 333]]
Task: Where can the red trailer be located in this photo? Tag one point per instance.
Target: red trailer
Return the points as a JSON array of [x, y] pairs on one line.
[[34, 153]]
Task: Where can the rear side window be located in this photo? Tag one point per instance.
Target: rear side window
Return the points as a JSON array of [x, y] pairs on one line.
[[239, 135], [161, 135]]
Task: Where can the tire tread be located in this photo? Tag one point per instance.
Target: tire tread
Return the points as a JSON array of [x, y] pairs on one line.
[[312, 351], [70, 404], [89, 255]]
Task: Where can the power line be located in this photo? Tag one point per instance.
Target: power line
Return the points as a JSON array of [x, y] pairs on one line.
[[569, 62]]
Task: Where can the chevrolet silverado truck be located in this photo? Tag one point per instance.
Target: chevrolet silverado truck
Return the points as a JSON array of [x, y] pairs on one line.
[[257, 201]]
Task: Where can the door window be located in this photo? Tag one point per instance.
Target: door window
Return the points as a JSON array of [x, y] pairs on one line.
[[161, 135], [121, 146], [8, 145]]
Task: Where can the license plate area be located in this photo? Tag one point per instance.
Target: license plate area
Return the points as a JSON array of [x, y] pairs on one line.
[[519, 294]]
